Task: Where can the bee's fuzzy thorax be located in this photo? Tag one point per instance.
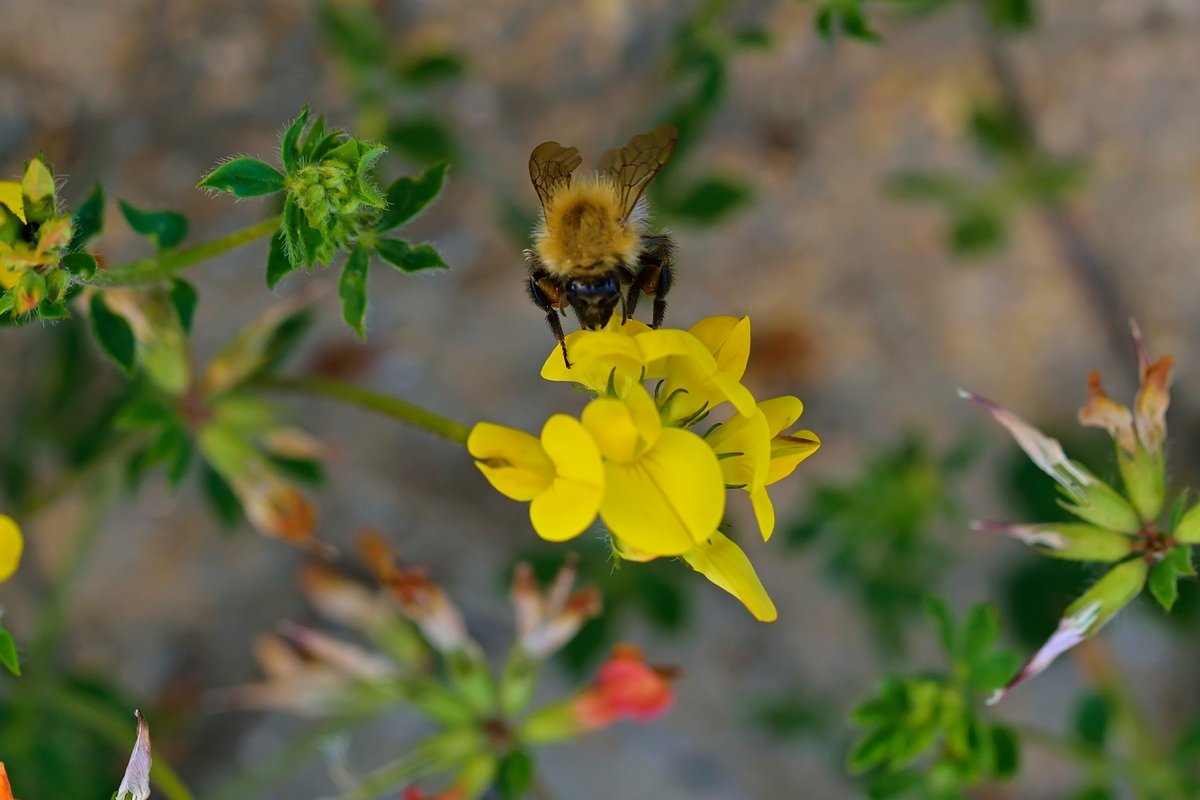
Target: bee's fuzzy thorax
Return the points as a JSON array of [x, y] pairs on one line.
[[582, 230]]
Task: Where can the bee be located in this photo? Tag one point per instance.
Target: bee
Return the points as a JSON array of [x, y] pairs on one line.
[[592, 249]]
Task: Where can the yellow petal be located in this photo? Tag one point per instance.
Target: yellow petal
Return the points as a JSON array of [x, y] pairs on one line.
[[764, 512], [597, 355], [10, 197], [743, 445], [788, 450], [11, 545], [781, 412], [513, 461], [568, 506], [690, 374], [667, 500], [624, 429], [728, 339], [724, 563], [8, 279]]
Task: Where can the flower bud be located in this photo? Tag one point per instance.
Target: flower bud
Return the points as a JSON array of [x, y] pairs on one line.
[[57, 283], [1067, 540], [1187, 531], [30, 291], [1102, 505], [54, 234], [1144, 474], [1085, 617], [39, 192], [547, 622], [625, 688], [135, 785]]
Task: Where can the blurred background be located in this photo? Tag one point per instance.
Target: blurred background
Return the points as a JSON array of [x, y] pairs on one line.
[[980, 199]]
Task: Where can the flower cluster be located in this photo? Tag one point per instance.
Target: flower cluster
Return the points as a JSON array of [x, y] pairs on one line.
[[411, 623], [38, 243], [637, 458], [1118, 528]]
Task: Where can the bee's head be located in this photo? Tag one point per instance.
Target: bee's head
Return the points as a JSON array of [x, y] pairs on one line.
[[594, 297]]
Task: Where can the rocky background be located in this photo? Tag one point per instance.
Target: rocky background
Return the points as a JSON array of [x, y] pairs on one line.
[[858, 307]]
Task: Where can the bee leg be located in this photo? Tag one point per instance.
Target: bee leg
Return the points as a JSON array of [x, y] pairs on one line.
[[655, 277], [548, 295]]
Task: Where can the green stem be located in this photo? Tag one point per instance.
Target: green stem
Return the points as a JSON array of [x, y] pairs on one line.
[[394, 407], [120, 732], [164, 265]]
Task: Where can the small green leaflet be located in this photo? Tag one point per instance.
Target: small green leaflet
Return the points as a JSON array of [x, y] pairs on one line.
[[89, 218], [405, 257], [244, 177], [113, 334], [8, 652], [408, 196], [352, 289], [165, 228]]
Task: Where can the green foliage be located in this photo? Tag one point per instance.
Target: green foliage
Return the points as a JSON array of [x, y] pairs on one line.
[[926, 732], [874, 529], [704, 47], [409, 196], [422, 138], [244, 177], [1165, 575], [8, 653], [847, 18], [89, 218], [515, 775], [352, 289], [113, 334], [165, 229], [980, 211]]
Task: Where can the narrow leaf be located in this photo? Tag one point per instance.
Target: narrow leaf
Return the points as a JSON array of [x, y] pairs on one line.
[[8, 653], [1164, 584], [82, 265], [184, 297], [113, 334], [89, 218], [352, 289], [408, 196], [244, 177], [407, 258], [165, 228], [278, 263], [289, 143]]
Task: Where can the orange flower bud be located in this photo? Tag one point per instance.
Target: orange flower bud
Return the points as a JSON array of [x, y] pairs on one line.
[[626, 687]]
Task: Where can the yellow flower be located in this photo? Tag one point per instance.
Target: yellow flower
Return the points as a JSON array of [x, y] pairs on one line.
[[663, 486], [11, 545], [694, 378], [560, 476], [10, 197], [787, 449], [724, 563]]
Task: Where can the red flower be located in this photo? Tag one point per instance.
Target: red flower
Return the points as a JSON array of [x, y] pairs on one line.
[[626, 687]]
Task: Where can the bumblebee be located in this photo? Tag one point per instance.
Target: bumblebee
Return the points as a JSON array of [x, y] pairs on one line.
[[591, 248]]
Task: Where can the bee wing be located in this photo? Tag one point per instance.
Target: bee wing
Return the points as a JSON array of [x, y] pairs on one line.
[[633, 166], [550, 168]]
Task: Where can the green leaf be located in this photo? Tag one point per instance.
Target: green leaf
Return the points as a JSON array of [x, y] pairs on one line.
[[981, 629], [1006, 752], [943, 622], [1011, 15], [1164, 584], [221, 499], [353, 32], [304, 470], [165, 228], [994, 670], [1093, 716], [408, 196], [711, 199], [977, 231], [874, 748], [422, 139], [243, 177], [184, 297], [1180, 559], [89, 218], [144, 413], [514, 777], [430, 68], [289, 143], [352, 289], [113, 334], [278, 263], [8, 653], [82, 265], [407, 258]]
